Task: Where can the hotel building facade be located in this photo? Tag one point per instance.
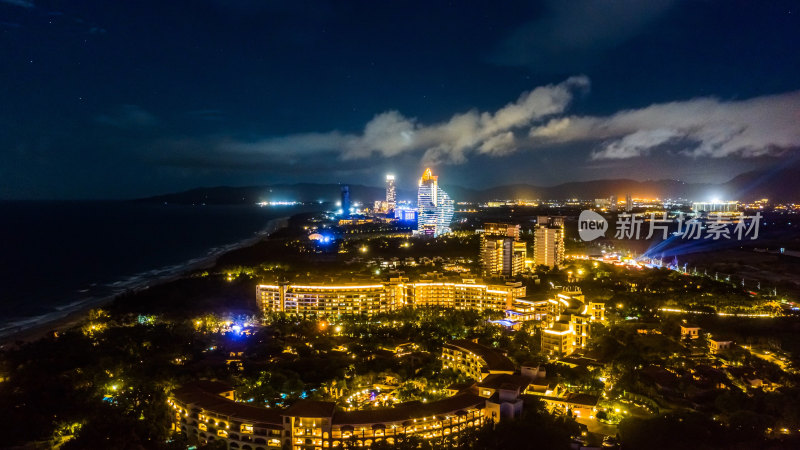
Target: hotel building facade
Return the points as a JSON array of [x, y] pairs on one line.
[[548, 246], [205, 412], [568, 323], [371, 299], [475, 360], [502, 253]]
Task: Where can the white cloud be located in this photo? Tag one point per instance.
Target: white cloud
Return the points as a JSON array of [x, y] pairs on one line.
[[699, 127], [635, 144], [391, 134], [703, 127]]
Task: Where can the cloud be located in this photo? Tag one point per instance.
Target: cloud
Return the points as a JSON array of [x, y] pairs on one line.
[[703, 127], [21, 3], [229, 152], [572, 33], [390, 134], [127, 116]]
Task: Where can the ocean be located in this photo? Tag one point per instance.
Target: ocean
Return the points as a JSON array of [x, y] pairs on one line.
[[58, 257]]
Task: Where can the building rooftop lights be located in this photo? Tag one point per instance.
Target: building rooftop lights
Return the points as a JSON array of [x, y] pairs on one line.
[[560, 333], [365, 286]]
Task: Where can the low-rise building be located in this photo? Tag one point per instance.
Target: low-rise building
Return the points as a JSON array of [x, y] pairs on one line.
[[568, 322], [206, 411], [581, 405], [716, 344], [690, 332], [475, 360]]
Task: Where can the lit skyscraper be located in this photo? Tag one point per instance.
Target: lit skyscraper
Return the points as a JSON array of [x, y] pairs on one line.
[[434, 206], [391, 194]]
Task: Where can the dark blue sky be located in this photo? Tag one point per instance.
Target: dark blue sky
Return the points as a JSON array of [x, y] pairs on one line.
[[110, 99]]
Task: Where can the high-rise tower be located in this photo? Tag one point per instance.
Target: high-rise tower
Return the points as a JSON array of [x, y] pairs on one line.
[[391, 194], [502, 253], [548, 246], [346, 200], [434, 206]]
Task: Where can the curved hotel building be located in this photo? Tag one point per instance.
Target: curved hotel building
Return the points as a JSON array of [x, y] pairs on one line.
[[206, 411]]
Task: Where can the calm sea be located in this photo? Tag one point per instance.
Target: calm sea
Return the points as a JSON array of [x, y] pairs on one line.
[[57, 256]]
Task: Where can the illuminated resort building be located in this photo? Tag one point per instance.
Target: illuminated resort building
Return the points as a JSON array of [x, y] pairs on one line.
[[205, 412], [475, 360], [568, 323], [502, 253], [329, 300], [715, 207], [434, 206], [548, 246], [371, 299]]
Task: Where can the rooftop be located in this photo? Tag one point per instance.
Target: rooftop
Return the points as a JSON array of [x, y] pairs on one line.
[[310, 408], [195, 394], [495, 361], [410, 410], [505, 381]]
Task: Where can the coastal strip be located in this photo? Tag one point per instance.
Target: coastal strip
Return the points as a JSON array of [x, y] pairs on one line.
[[26, 329]]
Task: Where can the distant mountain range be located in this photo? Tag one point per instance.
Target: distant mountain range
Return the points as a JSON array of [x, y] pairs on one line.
[[779, 184]]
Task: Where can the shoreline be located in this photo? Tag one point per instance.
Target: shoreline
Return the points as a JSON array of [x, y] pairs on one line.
[[27, 329]]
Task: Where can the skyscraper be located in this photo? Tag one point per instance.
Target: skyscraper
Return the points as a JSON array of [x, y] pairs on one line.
[[391, 194], [434, 206], [548, 246], [502, 253], [346, 200], [550, 221]]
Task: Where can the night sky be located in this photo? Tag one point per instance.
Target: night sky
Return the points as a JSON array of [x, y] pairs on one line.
[[119, 99]]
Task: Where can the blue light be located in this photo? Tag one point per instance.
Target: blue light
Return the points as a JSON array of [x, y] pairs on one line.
[[236, 328], [504, 322]]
